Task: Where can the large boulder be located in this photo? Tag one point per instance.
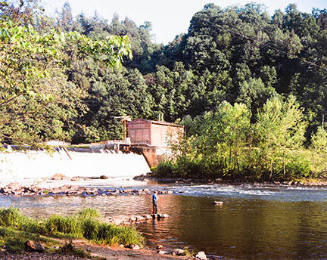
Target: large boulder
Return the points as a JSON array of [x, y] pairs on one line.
[[57, 177], [34, 246], [201, 255], [13, 186], [179, 251]]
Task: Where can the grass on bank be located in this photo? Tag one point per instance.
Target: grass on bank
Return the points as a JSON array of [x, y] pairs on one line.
[[14, 241], [16, 229]]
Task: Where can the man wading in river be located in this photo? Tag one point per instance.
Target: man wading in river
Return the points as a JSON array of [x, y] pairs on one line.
[[155, 202]]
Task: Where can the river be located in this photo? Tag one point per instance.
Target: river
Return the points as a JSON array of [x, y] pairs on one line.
[[254, 222]]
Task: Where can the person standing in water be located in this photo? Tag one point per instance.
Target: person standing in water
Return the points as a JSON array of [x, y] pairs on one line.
[[155, 202]]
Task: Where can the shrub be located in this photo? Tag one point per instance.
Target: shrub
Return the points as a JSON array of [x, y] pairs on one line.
[[164, 169], [90, 229], [186, 167], [112, 234], [298, 167], [88, 213], [11, 217], [82, 225], [15, 241], [60, 224]]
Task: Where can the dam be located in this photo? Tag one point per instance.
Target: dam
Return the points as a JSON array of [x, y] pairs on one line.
[[31, 167], [146, 144]]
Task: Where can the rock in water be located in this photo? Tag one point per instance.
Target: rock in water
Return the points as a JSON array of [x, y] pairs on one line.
[[13, 186], [201, 255], [135, 247], [140, 218], [159, 216], [179, 251], [57, 177], [133, 218], [218, 203]]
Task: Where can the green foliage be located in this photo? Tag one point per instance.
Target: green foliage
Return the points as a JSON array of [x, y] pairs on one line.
[[164, 169], [90, 229], [254, 93], [298, 166], [66, 78], [88, 213], [15, 241], [62, 224], [11, 217], [112, 234], [319, 140], [34, 92], [229, 145], [85, 224]]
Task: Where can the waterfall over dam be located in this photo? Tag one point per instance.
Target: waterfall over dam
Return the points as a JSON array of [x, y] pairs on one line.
[[30, 167]]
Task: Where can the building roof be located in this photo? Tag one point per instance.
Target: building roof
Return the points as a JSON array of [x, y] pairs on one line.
[[158, 122]]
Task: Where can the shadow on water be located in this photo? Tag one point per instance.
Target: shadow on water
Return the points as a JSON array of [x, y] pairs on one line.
[[244, 227]]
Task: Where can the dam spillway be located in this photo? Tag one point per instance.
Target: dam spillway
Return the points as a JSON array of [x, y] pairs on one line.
[[30, 167]]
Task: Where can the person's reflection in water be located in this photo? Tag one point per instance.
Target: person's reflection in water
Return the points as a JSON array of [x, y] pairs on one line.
[[154, 225]]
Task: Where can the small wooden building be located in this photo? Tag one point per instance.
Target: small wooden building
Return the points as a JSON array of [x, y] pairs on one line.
[[154, 133]]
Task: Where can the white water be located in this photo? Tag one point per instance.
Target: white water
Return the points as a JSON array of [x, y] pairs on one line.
[[34, 167], [263, 192]]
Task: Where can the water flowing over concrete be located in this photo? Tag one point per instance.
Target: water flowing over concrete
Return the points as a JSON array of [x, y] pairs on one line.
[[34, 166]]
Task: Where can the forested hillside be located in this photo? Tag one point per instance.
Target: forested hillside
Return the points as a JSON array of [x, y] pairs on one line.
[[60, 77]]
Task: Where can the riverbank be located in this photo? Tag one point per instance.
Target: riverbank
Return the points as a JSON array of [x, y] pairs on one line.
[[198, 223], [56, 189], [15, 189], [83, 235], [304, 182], [93, 251]]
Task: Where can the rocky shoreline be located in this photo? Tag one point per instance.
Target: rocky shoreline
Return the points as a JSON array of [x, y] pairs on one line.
[[96, 251], [18, 190], [15, 189], [211, 181]]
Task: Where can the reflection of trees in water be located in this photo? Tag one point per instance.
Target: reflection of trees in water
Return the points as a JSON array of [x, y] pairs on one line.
[[243, 228]]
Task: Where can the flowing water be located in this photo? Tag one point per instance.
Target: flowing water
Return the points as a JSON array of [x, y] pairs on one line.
[[254, 222], [35, 167]]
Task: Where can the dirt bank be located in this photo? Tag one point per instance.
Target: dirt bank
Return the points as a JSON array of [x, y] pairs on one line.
[[96, 252]]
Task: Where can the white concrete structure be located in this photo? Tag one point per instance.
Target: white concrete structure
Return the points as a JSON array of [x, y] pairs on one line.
[[36, 166]]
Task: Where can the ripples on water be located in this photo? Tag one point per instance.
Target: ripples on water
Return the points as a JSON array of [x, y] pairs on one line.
[[286, 193], [254, 222]]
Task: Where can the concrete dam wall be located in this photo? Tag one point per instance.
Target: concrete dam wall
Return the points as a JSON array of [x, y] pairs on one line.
[[32, 166]]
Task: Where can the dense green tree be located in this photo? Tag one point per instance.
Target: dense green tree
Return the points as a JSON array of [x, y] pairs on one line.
[[37, 102], [235, 54], [279, 131]]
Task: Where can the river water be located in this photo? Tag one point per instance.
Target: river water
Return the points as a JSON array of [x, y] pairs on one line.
[[254, 222]]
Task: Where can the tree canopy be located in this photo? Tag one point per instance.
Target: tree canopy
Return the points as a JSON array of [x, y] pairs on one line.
[[68, 77]]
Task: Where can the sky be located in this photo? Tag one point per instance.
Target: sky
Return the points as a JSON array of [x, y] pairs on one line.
[[168, 18]]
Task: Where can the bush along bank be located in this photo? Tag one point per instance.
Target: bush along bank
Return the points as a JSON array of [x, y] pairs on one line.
[[234, 143], [17, 231]]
